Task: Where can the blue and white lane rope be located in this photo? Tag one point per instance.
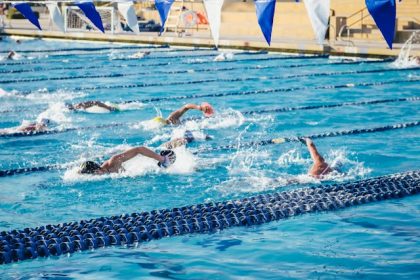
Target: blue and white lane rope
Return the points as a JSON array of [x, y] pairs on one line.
[[282, 140], [241, 93], [182, 62], [92, 49], [127, 229], [273, 91], [105, 57], [155, 72], [11, 172], [228, 80]]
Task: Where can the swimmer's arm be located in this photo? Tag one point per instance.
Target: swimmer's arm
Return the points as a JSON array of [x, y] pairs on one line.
[[88, 104], [116, 161], [315, 155], [176, 115]]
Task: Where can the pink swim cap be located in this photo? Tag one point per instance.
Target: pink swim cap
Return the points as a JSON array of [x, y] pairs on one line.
[[208, 111]]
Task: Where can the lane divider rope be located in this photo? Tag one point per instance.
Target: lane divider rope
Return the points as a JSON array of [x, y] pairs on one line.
[[119, 75], [126, 229], [13, 71], [272, 91], [105, 57], [281, 140], [90, 49], [11, 172]]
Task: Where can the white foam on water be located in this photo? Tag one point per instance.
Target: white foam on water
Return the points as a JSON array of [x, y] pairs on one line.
[[225, 119], [291, 157], [128, 106], [405, 60], [44, 96], [149, 125], [197, 60], [56, 112], [4, 93]]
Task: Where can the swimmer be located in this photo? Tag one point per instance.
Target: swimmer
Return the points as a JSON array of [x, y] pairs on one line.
[[11, 55], [183, 141], [223, 57], [174, 117], [140, 54], [114, 164], [89, 104], [319, 167], [39, 126]]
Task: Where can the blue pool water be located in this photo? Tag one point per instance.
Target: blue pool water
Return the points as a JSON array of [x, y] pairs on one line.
[[379, 240]]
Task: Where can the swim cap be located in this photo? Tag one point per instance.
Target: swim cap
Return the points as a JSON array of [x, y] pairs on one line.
[[44, 121], [208, 111], [160, 120], [189, 137], [89, 167], [169, 156]]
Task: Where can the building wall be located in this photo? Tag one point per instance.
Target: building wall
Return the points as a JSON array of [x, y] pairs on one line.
[[291, 20]]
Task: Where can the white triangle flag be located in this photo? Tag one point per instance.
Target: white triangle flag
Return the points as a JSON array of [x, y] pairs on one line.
[[56, 16], [129, 13], [319, 13], [214, 15]]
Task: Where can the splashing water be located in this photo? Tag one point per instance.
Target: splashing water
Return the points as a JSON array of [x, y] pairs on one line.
[[404, 59], [56, 112]]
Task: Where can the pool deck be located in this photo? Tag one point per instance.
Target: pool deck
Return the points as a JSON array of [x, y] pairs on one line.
[[291, 45]]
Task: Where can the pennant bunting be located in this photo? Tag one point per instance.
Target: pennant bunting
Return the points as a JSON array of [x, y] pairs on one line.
[[214, 15], [26, 11], [384, 14], [319, 13], [92, 14], [129, 13], [265, 15], [163, 7], [56, 16]]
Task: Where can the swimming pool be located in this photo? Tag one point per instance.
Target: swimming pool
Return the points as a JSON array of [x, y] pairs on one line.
[[376, 240]]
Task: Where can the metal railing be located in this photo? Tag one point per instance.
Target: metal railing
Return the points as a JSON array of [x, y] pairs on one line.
[[360, 15]]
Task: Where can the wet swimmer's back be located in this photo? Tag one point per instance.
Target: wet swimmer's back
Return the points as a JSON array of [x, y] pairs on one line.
[[39, 126], [175, 117], [115, 164], [93, 107]]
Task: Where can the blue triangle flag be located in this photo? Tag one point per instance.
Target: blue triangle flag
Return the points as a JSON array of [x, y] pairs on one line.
[[27, 12], [265, 14], [384, 14], [92, 14], [163, 7]]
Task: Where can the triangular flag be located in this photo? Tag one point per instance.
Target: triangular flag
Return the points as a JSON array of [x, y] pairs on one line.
[[56, 16], [265, 14], [129, 13], [319, 13], [384, 13], [92, 14], [163, 7], [214, 15], [27, 12]]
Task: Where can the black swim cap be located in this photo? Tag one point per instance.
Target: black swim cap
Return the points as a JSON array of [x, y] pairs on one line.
[[89, 167]]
